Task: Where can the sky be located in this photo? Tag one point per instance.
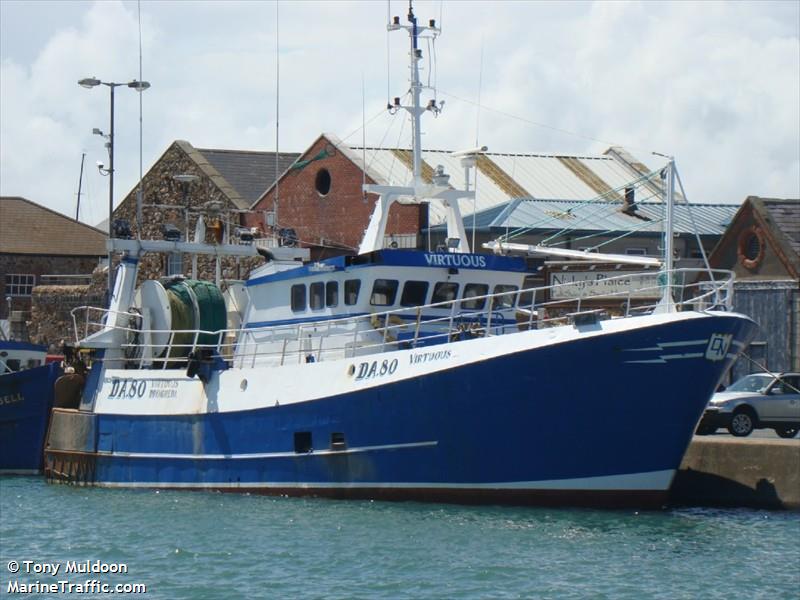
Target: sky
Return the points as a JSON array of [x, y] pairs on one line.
[[714, 84]]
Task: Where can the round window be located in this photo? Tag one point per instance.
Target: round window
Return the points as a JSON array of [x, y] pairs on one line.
[[751, 247], [323, 182]]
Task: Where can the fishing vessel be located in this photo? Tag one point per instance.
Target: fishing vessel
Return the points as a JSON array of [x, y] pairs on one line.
[[26, 397], [398, 374]]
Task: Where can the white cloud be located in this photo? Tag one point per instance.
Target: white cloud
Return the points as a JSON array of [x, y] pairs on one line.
[[716, 84]]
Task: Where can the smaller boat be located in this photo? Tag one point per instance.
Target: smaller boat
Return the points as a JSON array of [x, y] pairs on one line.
[[26, 397]]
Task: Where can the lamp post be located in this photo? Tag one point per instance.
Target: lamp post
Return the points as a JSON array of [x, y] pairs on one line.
[[139, 86]]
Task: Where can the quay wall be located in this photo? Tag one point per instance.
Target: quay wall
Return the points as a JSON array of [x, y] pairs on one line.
[[750, 472]]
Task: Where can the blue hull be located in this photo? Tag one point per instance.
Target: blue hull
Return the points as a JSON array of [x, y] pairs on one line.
[[506, 429], [26, 398]]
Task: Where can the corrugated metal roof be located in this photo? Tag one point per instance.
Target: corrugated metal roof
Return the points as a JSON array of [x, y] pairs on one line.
[[29, 228], [503, 177], [555, 215]]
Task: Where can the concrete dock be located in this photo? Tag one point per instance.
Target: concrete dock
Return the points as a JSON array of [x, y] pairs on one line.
[[748, 472]]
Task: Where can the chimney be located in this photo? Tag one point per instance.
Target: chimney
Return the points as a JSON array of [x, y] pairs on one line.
[[629, 204]]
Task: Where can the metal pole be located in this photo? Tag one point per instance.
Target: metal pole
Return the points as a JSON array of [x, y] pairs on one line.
[[416, 90], [668, 226], [110, 190]]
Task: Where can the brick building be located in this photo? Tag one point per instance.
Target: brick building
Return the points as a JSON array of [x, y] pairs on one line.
[[186, 182], [320, 198], [762, 247], [40, 247]]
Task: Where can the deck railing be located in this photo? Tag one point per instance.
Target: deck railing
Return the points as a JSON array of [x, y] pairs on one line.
[[572, 303]]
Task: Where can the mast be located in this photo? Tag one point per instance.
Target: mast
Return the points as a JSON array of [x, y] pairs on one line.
[[416, 110], [417, 190], [416, 113], [667, 303]]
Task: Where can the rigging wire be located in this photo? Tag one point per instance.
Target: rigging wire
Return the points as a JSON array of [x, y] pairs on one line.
[[599, 201], [380, 113], [694, 225], [543, 125], [477, 136]]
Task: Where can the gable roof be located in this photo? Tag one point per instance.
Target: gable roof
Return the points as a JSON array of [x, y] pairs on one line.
[[249, 172], [785, 216], [503, 177], [30, 228], [777, 218]]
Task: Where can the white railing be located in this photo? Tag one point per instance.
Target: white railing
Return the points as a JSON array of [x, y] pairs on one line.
[[412, 327]]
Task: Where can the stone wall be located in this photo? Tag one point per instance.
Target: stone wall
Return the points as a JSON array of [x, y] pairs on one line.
[[51, 306], [38, 265], [167, 201]]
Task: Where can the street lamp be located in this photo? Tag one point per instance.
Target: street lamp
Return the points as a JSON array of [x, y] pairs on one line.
[[139, 86]]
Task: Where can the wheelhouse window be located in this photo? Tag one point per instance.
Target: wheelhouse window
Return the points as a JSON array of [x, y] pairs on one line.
[[351, 289], [414, 293], [470, 291], [508, 297], [19, 284], [444, 291], [384, 292], [636, 251], [298, 297], [317, 295], [332, 294], [527, 297]]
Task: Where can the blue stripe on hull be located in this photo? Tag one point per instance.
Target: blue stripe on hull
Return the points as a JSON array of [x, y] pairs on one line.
[[26, 398], [580, 409]]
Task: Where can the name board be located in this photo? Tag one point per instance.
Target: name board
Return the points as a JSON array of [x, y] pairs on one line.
[[469, 261], [572, 284]]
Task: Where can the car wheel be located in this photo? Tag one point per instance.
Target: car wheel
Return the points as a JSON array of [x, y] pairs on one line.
[[786, 432], [742, 423]]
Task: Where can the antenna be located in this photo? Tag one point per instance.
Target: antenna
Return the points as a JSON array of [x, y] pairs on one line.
[[277, 118], [80, 183], [139, 191], [363, 136]]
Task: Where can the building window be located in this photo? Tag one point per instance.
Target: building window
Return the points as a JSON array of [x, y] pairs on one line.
[[20, 284], [174, 263], [323, 182]]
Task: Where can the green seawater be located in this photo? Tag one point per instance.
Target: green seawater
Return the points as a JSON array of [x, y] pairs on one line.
[[218, 546]]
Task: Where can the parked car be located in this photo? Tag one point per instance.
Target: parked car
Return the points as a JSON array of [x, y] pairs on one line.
[[757, 401]]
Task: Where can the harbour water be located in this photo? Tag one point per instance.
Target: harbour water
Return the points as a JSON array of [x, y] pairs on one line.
[[211, 545]]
